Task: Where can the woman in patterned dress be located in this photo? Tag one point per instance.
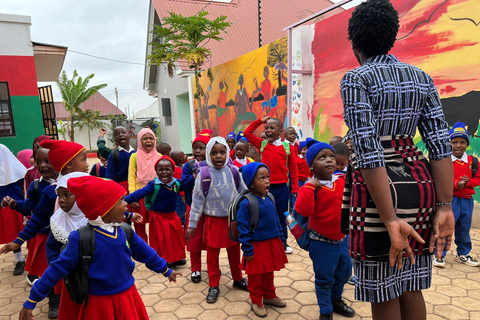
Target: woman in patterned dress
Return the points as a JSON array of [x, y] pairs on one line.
[[400, 205]]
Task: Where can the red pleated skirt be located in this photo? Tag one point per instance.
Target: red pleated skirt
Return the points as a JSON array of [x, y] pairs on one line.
[[69, 310], [127, 305], [216, 232], [11, 223], [268, 256], [36, 263], [197, 243], [166, 236]]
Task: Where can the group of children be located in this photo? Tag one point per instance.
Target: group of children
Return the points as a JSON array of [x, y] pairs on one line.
[[154, 184]]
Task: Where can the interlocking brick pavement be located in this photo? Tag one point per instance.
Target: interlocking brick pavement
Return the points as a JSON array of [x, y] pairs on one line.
[[455, 292]]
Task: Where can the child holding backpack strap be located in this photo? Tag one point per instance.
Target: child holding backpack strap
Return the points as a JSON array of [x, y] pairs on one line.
[[112, 293], [328, 249], [211, 198], [263, 251], [165, 227]]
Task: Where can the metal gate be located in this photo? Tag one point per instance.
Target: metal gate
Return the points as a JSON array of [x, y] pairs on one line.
[[48, 111]]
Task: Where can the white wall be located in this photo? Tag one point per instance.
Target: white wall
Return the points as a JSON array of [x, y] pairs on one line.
[[15, 35], [81, 136]]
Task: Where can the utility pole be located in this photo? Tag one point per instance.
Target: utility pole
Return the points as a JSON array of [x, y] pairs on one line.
[[259, 23], [116, 95]]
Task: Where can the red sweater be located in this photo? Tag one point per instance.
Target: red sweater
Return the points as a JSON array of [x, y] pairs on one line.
[[275, 158], [461, 169], [303, 169], [239, 165], [326, 214]]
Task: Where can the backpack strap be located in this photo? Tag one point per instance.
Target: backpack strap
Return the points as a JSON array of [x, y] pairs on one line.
[[36, 191], [191, 165], [286, 146], [87, 248], [474, 166], [254, 211], [128, 232], [264, 143], [97, 169], [235, 173], [150, 199], [272, 198], [116, 157], [176, 186], [206, 179]]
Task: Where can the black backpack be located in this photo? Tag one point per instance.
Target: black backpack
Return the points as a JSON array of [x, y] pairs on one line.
[[76, 281], [254, 212], [474, 166]]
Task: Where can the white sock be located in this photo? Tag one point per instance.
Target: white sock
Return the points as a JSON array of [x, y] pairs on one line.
[[18, 256]]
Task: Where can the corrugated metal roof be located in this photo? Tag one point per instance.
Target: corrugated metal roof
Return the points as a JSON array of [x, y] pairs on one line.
[[97, 102], [242, 36]]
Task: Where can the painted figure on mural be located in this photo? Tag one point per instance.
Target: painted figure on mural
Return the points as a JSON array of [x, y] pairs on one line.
[[241, 102], [222, 109], [269, 95]]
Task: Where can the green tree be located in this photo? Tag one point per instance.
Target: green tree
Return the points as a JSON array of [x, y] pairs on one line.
[[74, 92], [278, 57], [185, 38], [89, 119]]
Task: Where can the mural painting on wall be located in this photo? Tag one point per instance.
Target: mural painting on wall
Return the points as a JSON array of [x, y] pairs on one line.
[[245, 89], [441, 37]]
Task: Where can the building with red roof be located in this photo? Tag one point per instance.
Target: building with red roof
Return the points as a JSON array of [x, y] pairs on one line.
[[97, 102]]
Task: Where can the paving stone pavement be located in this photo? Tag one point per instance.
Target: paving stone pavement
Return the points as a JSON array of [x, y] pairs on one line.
[[455, 292]]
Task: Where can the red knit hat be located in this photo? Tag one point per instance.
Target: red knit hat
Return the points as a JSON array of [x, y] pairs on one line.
[[61, 152], [203, 136], [95, 196], [164, 158]]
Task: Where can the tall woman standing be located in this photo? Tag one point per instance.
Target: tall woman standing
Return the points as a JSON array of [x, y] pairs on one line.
[[400, 207]]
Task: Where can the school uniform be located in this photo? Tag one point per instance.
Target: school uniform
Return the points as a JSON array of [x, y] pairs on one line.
[[11, 221], [328, 245], [181, 206], [118, 171], [265, 244], [280, 166], [99, 170], [112, 293], [165, 227], [242, 162], [36, 262]]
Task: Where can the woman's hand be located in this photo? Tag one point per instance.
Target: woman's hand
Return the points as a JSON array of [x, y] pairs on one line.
[[190, 233], [399, 230], [443, 225]]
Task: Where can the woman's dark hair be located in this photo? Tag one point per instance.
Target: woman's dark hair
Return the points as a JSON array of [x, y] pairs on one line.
[[373, 27]]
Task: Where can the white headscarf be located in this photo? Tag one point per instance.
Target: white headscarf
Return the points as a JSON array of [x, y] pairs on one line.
[[11, 169], [63, 223], [210, 145]]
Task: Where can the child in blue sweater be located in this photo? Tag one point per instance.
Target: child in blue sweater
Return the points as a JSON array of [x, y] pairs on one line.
[[112, 293], [118, 160], [165, 227], [263, 251]]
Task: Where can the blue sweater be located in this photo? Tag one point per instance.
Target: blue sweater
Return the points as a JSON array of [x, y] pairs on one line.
[[102, 172], [25, 207], [268, 224], [111, 269], [187, 183], [165, 201], [12, 190], [118, 173]]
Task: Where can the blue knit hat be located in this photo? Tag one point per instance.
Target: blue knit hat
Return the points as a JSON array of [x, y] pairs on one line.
[[240, 135], [314, 147], [243, 139], [231, 135], [459, 131], [301, 145], [249, 172]]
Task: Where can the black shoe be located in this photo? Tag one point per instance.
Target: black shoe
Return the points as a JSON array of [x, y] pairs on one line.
[[53, 305], [340, 307], [213, 294], [326, 316], [31, 279], [171, 266], [19, 268], [180, 262], [242, 284], [196, 276]]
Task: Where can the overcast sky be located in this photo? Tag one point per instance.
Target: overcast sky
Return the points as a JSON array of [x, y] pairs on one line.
[[106, 28]]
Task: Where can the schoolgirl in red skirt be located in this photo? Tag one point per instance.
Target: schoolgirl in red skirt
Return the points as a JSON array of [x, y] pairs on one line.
[[263, 251], [165, 228], [112, 293]]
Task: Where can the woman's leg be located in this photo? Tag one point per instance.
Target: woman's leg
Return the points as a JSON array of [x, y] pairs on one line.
[[412, 306], [387, 310]]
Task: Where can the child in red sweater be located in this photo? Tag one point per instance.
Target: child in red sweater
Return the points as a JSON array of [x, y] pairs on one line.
[[280, 158], [328, 249], [241, 149], [465, 178]]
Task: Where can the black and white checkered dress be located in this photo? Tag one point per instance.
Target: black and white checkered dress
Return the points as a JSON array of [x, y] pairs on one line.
[[385, 101]]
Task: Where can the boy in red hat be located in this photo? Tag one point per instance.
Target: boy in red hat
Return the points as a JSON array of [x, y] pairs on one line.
[[165, 228], [111, 284], [195, 245]]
